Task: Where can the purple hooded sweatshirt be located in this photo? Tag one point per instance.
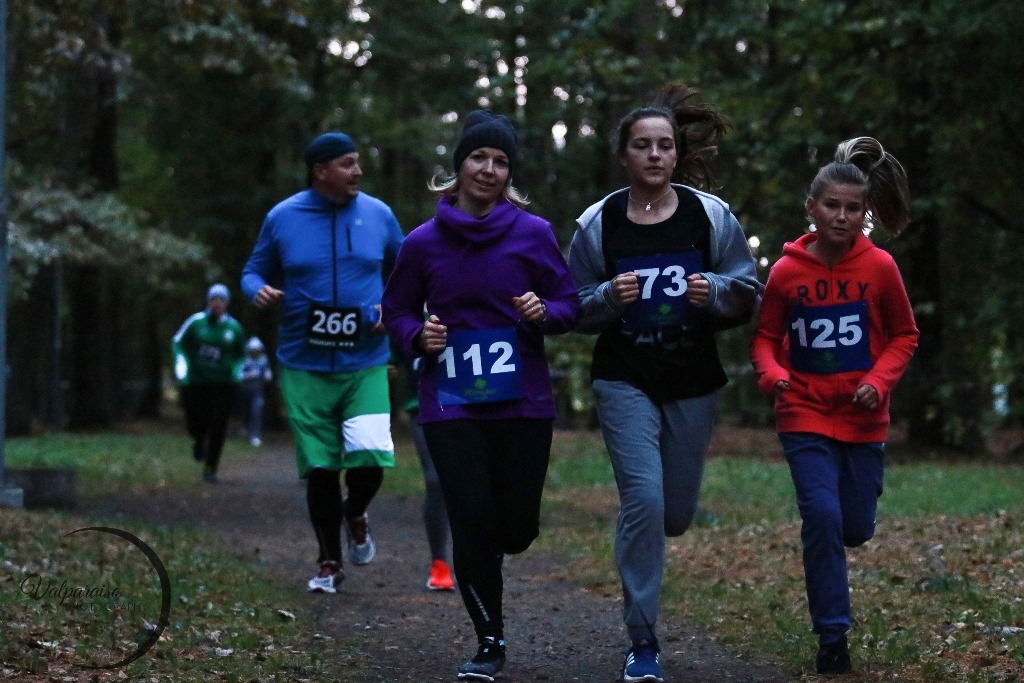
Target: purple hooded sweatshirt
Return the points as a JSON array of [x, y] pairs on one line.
[[466, 271]]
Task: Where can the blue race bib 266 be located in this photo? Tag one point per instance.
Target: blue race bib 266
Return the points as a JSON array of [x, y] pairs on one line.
[[340, 327]]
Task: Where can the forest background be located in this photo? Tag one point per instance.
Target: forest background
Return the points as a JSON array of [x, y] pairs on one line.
[[146, 141]]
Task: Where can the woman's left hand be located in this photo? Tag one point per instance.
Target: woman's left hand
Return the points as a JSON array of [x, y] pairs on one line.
[[530, 308], [698, 289]]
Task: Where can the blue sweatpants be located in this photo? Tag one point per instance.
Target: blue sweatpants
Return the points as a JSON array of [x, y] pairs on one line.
[[837, 489], [657, 452]]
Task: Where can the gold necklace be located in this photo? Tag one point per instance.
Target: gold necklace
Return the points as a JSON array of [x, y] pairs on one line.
[[652, 203]]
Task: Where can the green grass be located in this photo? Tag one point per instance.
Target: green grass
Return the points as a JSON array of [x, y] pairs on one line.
[[932, 593], [231, 620], [924, 489], [230, 625], [110, 462]]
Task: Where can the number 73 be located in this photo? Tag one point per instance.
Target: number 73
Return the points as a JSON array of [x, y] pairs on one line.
[[677, 274]]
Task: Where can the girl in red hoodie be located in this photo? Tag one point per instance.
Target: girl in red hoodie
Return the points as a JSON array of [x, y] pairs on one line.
[[835, 333]]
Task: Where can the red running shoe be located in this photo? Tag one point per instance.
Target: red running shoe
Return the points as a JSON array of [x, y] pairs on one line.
[[440, 577]]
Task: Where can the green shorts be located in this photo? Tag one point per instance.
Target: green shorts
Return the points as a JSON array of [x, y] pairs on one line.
[[339, 420]]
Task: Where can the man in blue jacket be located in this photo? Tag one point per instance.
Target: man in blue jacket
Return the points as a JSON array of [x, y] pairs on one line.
[[321, 256]]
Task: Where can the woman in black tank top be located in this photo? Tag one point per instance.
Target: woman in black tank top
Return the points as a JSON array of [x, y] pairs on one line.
[[660, 268]]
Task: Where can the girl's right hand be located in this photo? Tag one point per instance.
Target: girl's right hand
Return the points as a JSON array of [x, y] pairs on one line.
[[625, 288], [866, 397], [781, 386]]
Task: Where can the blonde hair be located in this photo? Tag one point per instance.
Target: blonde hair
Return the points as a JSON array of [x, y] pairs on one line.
[[447, 184]]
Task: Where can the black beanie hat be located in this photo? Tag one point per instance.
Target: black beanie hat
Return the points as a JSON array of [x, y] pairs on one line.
[[326, 147], [485, 129]]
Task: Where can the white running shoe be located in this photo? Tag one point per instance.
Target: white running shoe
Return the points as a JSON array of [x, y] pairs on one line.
[[361, 548], [327, 579]]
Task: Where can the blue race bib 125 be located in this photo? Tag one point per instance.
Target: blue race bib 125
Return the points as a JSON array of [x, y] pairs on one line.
[[829, 339]]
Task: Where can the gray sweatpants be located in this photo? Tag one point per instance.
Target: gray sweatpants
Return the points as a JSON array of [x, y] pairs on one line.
[[657, 453]]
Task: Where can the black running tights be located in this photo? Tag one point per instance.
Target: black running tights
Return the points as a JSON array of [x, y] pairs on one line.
[[492, 473], [323, 497]]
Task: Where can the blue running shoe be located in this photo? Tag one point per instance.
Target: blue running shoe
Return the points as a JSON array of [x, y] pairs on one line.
[[642, 662]]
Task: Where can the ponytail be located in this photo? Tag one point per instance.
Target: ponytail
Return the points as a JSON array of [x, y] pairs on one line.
[[888, 195], [701, 127], [698, 128], [863, 161]]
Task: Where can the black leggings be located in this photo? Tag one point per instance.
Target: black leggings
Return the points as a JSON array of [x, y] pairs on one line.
[[207, 410], [323, 498], [492, 473]]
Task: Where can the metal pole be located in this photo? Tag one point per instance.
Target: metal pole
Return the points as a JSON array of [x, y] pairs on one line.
[[10, 496]]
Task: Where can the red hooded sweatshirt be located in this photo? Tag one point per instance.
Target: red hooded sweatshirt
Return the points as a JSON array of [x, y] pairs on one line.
[[829, 329]]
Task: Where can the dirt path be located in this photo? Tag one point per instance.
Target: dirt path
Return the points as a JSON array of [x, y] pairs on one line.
[[556, 631]]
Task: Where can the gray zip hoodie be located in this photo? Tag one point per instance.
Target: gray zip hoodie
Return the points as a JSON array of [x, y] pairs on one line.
[[734, 292]]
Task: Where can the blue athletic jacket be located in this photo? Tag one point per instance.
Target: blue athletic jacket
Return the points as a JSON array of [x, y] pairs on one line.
[[324, 254]]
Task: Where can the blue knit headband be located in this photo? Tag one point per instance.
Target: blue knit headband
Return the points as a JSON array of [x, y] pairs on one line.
[[326, 147]]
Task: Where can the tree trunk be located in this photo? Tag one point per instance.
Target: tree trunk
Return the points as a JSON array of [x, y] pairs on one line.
[[89, 141], [34, 384], [942, 408], [92, 400], [149, 402]]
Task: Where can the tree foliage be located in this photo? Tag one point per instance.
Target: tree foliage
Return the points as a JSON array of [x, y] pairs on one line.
[[147, 140]]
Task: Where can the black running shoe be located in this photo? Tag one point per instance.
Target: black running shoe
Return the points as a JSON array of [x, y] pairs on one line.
[[833, 658], [489, 659]]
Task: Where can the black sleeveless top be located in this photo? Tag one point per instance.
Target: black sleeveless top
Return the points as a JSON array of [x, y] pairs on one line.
[[666, 363]]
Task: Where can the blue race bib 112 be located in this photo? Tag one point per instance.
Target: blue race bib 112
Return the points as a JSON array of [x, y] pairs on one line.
[[479, 366]]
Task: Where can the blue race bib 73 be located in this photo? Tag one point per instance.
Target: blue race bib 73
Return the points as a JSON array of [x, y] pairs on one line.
[[662, 280]]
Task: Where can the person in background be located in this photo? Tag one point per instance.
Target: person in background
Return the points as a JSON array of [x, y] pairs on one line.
[[494, 283], [435, 515], [834, 335], [661, 268], [321, 256], [208, 350], [256, 375]]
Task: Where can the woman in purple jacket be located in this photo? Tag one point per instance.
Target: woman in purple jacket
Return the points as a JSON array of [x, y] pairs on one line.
[[494, 283]]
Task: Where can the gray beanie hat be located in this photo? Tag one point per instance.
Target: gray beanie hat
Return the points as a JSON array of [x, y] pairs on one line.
[[218, 291]]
